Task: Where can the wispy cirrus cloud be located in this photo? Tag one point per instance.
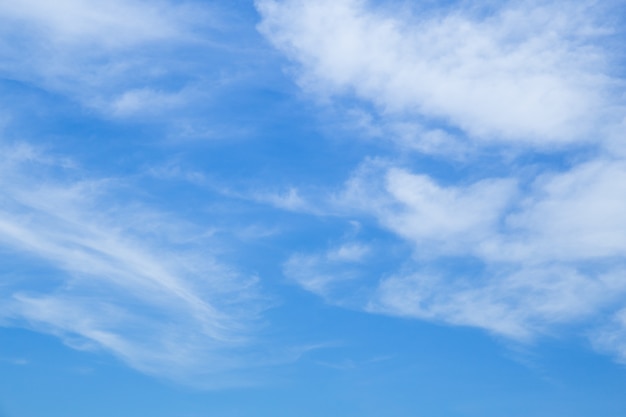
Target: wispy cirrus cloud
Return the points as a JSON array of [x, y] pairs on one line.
[[121, 277], [122, 59], [325, 273], [112, 24]]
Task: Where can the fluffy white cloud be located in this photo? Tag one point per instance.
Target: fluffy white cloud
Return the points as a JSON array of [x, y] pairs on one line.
[[517, 257], [570, 216], [525, 71], [437, 219], [573, 216]]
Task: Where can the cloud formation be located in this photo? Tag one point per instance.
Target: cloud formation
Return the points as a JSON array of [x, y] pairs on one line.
[[536, 248], [550, 255], [118, 276], [119, 58], [524, 72], [112, 24]]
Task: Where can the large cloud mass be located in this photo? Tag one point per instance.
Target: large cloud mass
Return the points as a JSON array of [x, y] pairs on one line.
[[538, 246], [525, 72]]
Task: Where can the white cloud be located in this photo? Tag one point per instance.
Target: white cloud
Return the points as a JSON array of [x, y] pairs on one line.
[[611, 338], [528, 72], [569, 216], [116, 57], [544, 250], [114, 23], [287, 200], [137, 101], [575, 215], [326, 274], [119, 276], [517, 257], [548, 238], [349, 252], [518, 305], [437, 219]]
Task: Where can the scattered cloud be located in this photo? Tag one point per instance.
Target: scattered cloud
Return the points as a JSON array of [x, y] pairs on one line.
[[121, 58], [611, 337], [537, 248], [119, 276], [328, 273], [518, 257], [520, 254], [135, 101], [520, 305], [288, 200], [16, 361], [436, 218]]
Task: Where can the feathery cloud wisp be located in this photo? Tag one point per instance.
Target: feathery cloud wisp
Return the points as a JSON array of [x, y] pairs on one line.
[[120, 276]]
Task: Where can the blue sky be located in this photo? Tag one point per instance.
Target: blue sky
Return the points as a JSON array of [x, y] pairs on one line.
[[312, 208]]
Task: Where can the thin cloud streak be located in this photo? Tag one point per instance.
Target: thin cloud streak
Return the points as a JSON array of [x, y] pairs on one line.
[[117, 278]]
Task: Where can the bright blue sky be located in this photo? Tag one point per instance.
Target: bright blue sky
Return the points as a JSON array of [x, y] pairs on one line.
[[312, 208]]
